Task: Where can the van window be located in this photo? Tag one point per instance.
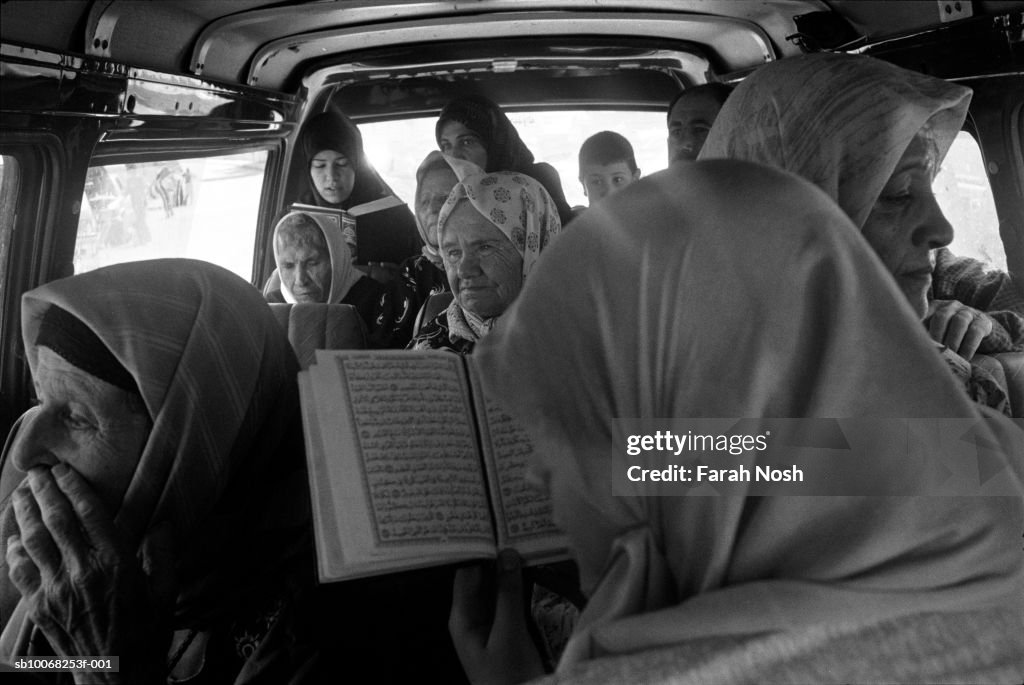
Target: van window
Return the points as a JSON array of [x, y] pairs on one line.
[[396, 148], [10, 179], [202, 208], [962, 190]]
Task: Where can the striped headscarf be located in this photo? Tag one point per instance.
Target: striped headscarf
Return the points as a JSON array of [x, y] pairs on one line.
[[223, 466]]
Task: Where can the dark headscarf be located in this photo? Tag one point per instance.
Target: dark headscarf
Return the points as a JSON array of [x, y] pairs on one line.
[[334, 131], [505, 149], [79, 346], [223, 467]]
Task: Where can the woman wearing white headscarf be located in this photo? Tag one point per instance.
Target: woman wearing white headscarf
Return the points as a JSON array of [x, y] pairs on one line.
[[490, 232], [747, 309], [872, 136], [314, 264], [209, 495]]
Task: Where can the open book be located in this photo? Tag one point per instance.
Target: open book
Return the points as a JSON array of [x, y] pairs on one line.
[[411, 466], [346, 220]]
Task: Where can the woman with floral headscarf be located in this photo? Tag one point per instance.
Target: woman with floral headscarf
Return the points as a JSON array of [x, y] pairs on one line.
[[338, 175], [475, 129], [490, 233], [872, 136]]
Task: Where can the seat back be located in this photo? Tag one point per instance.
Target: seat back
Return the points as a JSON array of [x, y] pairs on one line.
[[434, 305], [315, 326]]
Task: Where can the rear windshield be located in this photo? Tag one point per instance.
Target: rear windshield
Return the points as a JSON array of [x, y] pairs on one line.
[[396, 148]]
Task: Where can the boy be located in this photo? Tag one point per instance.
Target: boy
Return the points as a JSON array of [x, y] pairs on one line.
[[607, 165]]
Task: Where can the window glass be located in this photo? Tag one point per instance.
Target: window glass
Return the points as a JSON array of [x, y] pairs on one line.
[[962, 190], [10, 177], [201, 208], [396, 148]]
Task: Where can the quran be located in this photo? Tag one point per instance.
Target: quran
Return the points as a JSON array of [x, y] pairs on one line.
[[411, 466]]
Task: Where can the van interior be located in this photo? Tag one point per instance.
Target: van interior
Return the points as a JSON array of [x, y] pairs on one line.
[[203, 100]]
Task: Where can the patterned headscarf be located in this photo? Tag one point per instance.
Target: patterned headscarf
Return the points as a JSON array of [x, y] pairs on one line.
[[740, 309], [223, 466], [840, 121], [506, 151], [519, 207]]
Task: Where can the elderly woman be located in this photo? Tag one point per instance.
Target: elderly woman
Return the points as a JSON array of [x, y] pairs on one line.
[[475, 129], [314, 265], [435, 178], [340, 177], [871, 135], [746, 309], [491, 230], [163, 517]]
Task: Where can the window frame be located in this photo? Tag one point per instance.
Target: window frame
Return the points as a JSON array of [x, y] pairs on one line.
[[271, 190], [31, 254]]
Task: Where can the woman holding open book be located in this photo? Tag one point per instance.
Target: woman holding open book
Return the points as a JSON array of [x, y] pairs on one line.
[[490, 232], [748, 310], [340, 177]]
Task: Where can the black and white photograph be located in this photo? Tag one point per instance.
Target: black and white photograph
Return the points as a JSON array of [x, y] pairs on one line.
[[494, 342]]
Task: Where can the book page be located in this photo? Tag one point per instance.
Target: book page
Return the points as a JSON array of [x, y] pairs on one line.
[[326, 523], [411, 467], [522, 511]]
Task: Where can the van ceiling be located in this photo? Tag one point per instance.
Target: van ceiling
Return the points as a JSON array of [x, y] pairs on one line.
[[285, 45]]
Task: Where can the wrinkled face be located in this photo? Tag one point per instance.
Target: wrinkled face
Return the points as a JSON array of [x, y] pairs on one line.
[[484, 268], [333, 176], [601, 180], [688, 125], [430, 196], [92, 426], [305, 269], [906, 224], [461, 143]]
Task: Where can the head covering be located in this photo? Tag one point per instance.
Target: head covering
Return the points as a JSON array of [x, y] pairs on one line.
[[744, 309], [520, 208], [72, 340], [434, 161], [840, 121], [505, 149], [222, 469], [334, 131], [343, 274]]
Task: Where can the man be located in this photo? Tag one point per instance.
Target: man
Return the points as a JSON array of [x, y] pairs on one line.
[[690, 116]]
